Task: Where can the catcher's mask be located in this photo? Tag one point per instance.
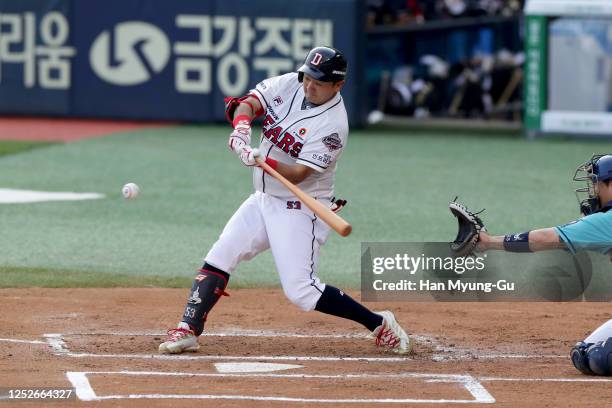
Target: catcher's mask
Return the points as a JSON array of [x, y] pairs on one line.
[[598, 168]]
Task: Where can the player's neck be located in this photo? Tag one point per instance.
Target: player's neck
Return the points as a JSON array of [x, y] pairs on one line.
[[306, 104], [606, 204]]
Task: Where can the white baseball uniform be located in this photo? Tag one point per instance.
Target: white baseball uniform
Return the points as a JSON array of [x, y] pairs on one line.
[[293, 132], [602, 333]]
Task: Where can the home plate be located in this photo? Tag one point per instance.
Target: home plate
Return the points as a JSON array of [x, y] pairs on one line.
[[253, 367], [12, 196]]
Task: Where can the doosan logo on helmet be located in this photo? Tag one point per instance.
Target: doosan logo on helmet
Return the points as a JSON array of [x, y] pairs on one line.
[[324, 64]]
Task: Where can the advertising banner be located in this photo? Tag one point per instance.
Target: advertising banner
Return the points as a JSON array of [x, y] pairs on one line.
[[36, 57], [154, 59]]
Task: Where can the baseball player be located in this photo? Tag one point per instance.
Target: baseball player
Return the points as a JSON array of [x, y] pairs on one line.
[[592, 232], [305, 130]]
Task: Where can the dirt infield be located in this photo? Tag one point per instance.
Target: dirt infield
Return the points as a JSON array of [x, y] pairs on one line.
[[261, 351]]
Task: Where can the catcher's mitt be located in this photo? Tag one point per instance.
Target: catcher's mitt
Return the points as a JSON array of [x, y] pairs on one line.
[[468, 234]]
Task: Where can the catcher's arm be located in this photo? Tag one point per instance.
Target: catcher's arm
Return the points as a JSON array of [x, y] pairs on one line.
[[472, 236], [538, 240]]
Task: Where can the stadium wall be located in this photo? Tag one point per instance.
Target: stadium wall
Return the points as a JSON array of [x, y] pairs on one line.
[[155, 59]]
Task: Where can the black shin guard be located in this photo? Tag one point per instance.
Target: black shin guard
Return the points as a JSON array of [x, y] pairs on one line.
[[206, 290], [337, 303]]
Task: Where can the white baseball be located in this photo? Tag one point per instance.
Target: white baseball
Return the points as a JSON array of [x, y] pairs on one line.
[[375, 116], [130, 190]]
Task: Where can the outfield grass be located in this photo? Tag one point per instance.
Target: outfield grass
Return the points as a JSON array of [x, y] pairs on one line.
[[13, 146], [398, 184], [24, 277]]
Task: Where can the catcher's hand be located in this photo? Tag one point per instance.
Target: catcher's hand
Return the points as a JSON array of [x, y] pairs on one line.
[[470, 226]]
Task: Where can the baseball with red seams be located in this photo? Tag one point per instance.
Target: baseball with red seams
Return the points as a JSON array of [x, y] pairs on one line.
[[130, 191]]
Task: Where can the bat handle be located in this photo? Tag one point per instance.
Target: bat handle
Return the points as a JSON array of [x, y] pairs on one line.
[[332, 219]]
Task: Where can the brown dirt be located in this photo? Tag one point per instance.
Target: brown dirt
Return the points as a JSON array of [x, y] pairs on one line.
[[519, 342], [66, 130]]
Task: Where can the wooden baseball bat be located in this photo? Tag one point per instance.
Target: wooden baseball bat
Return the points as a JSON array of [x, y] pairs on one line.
[[332, 219]]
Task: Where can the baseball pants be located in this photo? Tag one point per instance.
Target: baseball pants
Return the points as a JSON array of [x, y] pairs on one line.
[[293, 233]]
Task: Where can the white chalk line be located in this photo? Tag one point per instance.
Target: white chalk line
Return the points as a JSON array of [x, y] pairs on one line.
[[288, 399], [81, 386], [58, 344], [435, 377], [234, 333], [446, 353], [253, 367], [237, 358], [85, 391], [481, 356], [23, 341], [593, 380]]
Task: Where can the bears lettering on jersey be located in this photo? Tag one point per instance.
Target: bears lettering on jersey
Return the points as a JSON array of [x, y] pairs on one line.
[[286, 143], [296, 149], [292, 135], [273, 134], [268, 121]]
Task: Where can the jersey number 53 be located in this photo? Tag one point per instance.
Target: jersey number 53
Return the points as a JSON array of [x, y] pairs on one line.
[[294, 205]]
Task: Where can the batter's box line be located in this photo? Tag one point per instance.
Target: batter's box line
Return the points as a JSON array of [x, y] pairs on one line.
[[59, 346], [23, 341], [235, 333], [576, 380], [448, 353], [85, 392]]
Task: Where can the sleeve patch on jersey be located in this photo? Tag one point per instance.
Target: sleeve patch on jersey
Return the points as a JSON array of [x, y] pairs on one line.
[[263, 85], [332, 142], [311, 164]]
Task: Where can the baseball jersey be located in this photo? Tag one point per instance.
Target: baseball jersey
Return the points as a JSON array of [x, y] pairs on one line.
[[593, 232], [296, 132]]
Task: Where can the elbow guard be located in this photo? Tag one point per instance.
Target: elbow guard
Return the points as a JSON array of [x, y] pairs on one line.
[[231, 103]]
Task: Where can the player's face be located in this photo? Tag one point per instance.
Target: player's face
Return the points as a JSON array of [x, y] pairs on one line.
[[319, 92], [604, 192]]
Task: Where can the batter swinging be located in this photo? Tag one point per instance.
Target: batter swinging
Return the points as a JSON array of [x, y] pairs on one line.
[[305, 130]]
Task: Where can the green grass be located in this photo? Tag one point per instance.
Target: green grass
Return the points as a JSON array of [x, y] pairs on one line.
[[22, 277], [13, 146], [398, 184]]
